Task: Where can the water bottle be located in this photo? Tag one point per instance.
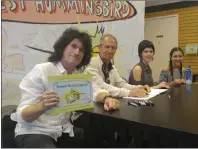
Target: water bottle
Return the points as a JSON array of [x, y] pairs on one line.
[[188, 75]]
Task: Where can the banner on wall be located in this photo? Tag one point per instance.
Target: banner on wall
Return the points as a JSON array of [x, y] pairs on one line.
[[30, 28]]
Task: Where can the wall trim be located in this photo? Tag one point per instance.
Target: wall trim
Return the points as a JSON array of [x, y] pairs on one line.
[[170, 6], [163, 17]]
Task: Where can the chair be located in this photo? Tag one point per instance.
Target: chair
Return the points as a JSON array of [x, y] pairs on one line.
[[8, 126]]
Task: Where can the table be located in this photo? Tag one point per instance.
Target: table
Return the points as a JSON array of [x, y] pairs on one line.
[[175, 118]]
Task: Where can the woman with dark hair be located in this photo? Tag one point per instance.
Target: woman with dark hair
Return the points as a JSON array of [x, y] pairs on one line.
[[141, 74], [35, 126], [173, 73]]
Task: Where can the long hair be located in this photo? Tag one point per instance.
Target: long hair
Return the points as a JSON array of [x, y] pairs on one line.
[[170, 61], [65, 39]]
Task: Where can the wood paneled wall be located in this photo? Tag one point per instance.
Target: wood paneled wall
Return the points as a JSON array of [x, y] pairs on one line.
[[188, 30]]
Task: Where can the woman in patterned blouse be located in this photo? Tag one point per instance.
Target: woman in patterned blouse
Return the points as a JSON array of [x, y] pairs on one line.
[[173, 73]]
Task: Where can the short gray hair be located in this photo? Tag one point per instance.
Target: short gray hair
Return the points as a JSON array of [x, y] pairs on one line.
[[108, 35]]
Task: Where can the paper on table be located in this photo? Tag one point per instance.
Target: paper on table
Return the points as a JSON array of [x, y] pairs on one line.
[[153, 93]]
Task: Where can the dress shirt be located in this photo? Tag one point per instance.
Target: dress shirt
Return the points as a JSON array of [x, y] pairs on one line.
[[32, 86], [117, 87]]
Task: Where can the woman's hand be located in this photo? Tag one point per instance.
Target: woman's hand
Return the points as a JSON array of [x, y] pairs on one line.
[[111, 104], [163, 85], [177, 82], [183, 81], [49, 99]]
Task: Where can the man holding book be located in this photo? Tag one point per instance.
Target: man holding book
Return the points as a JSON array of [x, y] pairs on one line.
[[35, 126]]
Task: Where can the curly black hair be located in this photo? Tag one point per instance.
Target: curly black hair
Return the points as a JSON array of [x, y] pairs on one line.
[[65, 39]]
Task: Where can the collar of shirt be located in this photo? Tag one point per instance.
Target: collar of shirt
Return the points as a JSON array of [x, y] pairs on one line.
[[110, 65], [145, 67], [63, 70]]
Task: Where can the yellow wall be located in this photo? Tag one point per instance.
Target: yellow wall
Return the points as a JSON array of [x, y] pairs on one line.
[[188, 30]]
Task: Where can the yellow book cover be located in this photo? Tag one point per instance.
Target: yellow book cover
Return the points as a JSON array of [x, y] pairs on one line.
[[75, 92]]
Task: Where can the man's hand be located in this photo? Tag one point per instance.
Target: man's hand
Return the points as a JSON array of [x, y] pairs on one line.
[[111, 104], [139, 92], [49, 99], [146, 87]]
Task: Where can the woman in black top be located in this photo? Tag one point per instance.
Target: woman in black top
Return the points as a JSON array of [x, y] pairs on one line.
[[141, 74]]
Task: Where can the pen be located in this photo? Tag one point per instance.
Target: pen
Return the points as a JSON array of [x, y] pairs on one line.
[[147, 93], [151, 102], [137, 103], [142, 103], [131, 103], [147, 103]]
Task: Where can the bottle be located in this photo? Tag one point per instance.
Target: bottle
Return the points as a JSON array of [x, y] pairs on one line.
[[188, 75]]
